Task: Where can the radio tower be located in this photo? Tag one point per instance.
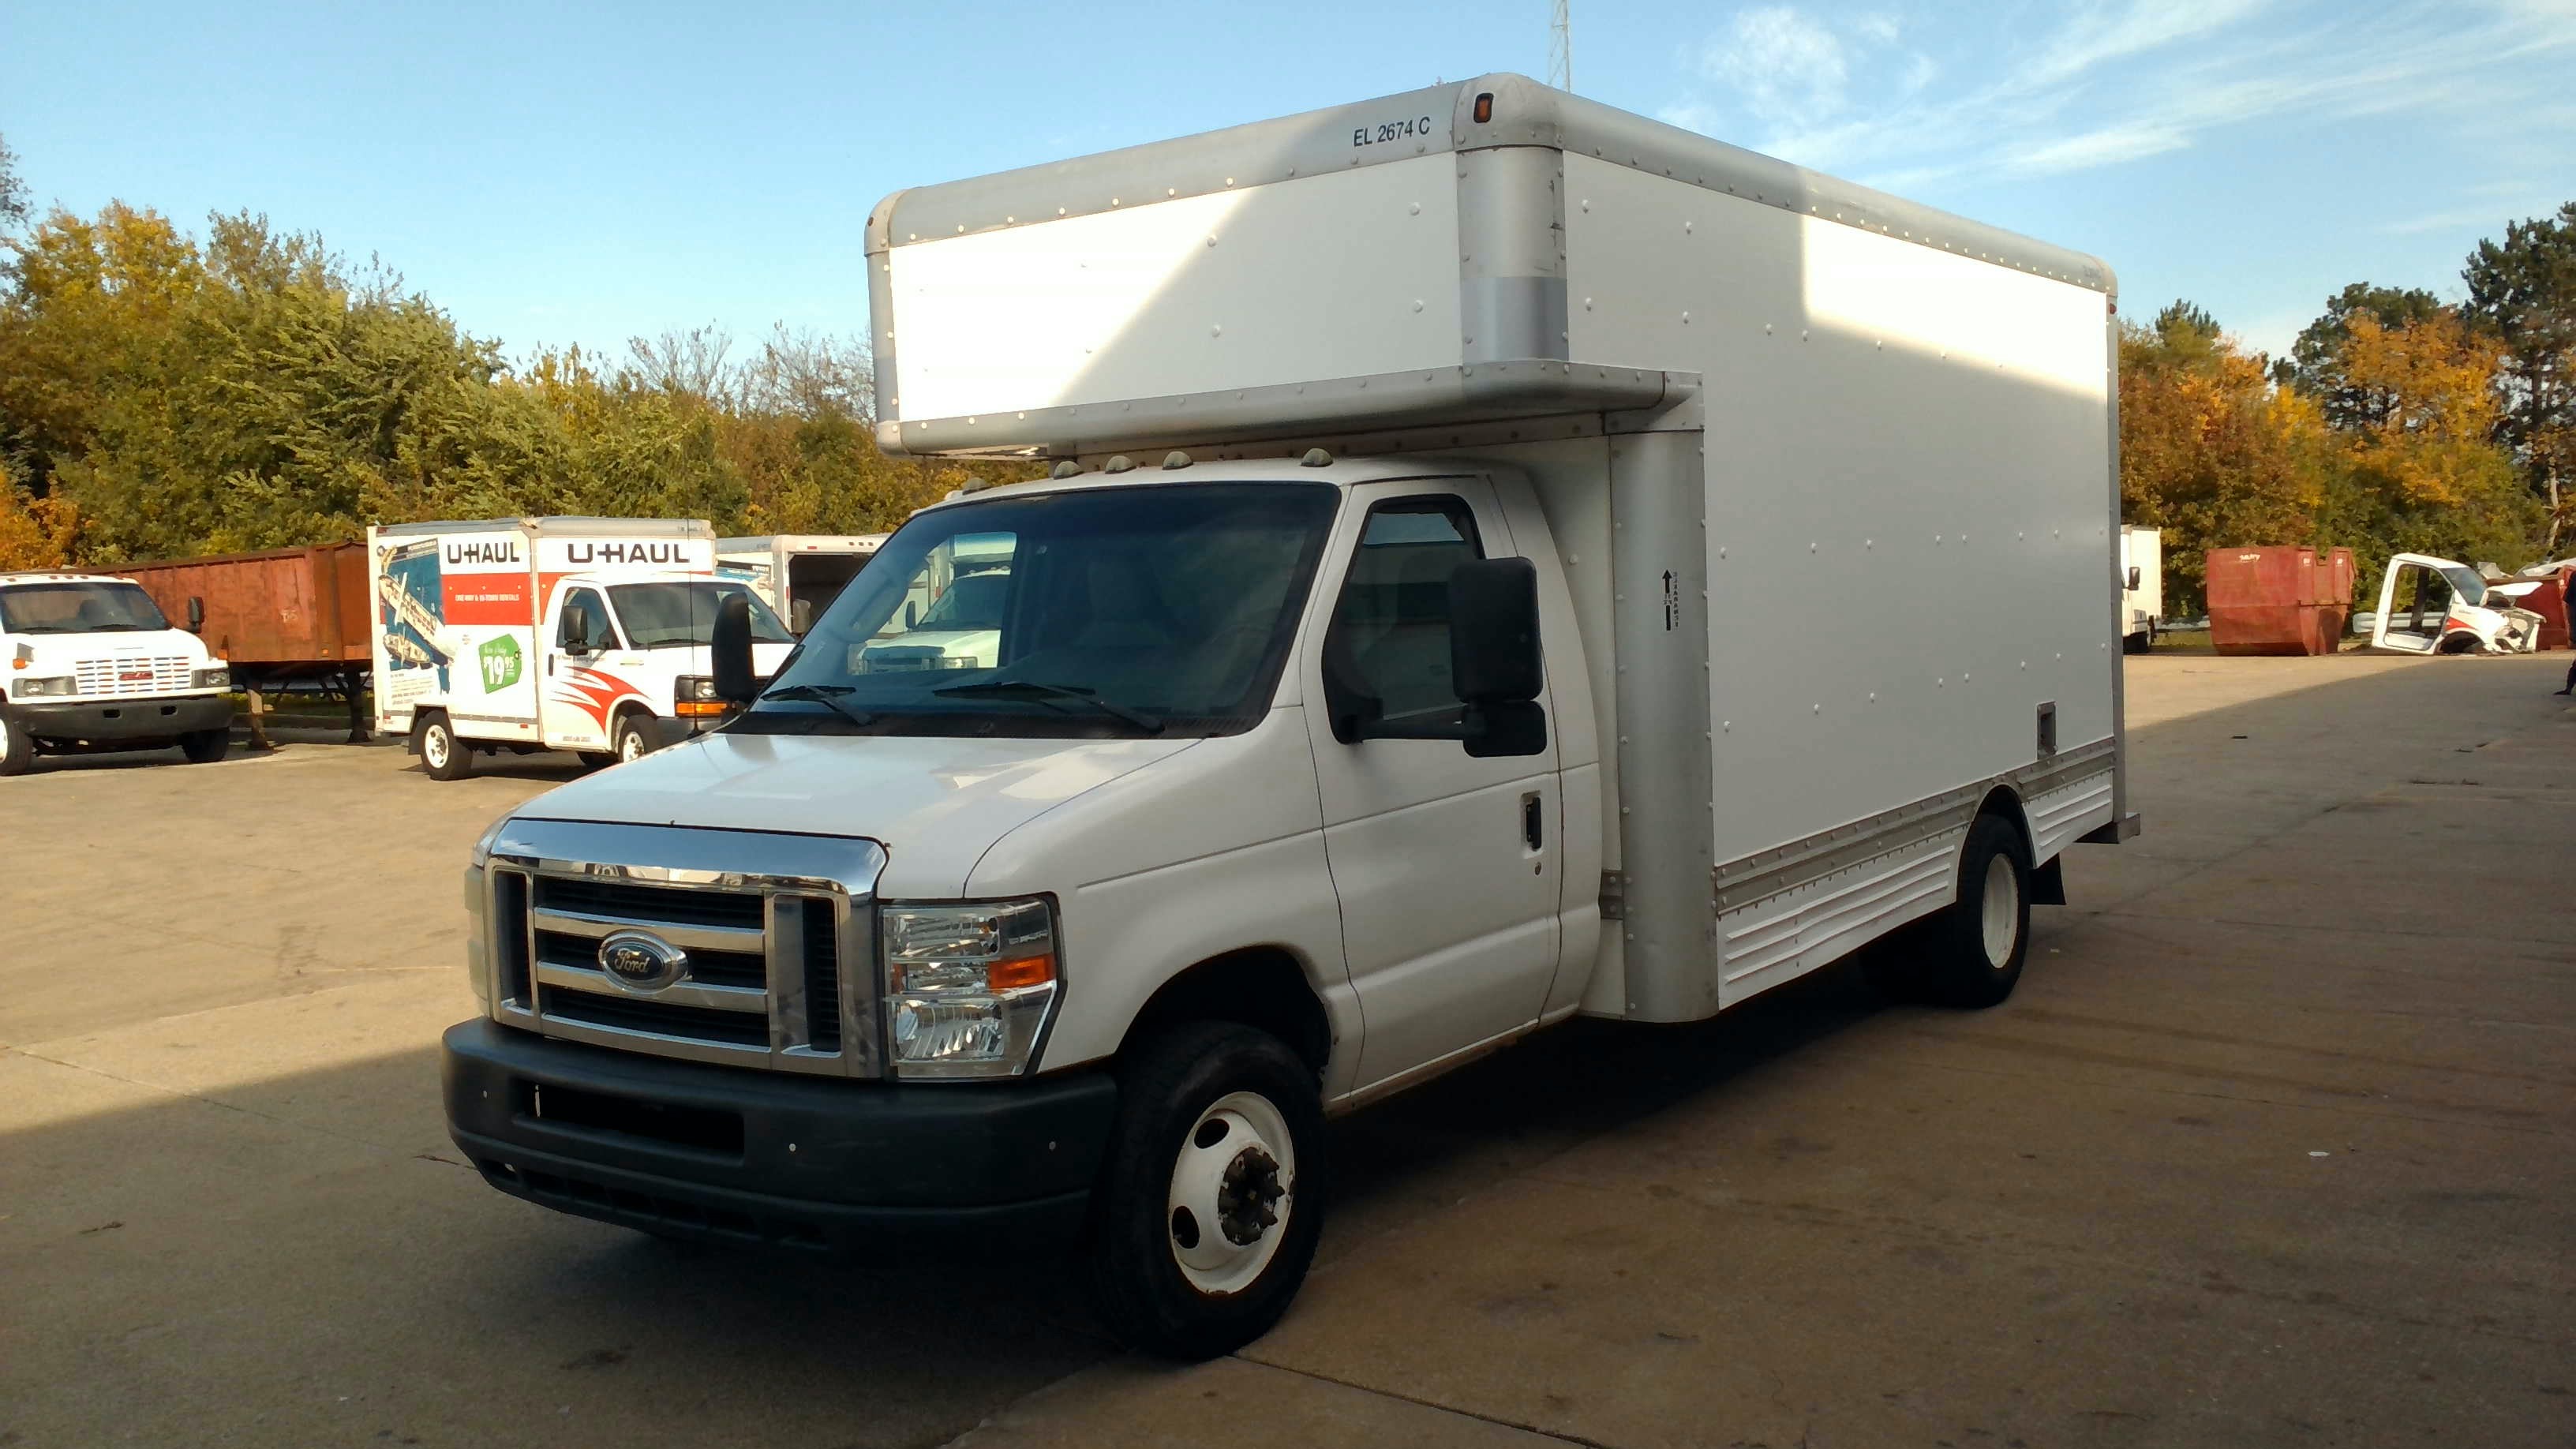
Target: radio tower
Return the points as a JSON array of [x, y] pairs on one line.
[[1560, 51]]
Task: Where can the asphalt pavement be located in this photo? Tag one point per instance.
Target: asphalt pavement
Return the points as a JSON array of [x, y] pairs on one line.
[[2271, 1147]]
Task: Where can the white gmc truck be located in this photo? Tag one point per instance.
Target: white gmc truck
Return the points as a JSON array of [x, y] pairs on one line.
[[1413, 647], [94, 666]]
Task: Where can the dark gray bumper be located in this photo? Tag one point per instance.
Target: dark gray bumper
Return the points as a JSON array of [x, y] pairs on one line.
[[807, 1162], [102, 722]]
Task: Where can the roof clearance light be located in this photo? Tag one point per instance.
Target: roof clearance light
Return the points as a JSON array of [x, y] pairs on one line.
[[1484, 108], [1120, 464], [1176, 459], [1067, 469]]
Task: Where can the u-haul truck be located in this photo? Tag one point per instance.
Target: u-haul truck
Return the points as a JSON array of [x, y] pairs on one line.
[[525, 634]]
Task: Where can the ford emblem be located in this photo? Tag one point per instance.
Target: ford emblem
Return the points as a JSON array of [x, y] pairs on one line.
[[640, 961]]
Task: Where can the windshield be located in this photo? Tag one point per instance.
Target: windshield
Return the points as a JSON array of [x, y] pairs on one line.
[[2466, 583], [115, 608], [1096, 612], [672, 615]]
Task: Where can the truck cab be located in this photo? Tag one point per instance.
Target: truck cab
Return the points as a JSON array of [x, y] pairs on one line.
[[94, 665], [2433, 605], [625, 665]]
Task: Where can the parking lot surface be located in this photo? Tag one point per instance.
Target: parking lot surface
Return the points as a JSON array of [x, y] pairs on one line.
[[2273, 1146]]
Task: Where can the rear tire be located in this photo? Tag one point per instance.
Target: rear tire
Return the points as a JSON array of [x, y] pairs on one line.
[[1973, 952], [17, 747], [1211, 1199], [442, 755], [206, 746]]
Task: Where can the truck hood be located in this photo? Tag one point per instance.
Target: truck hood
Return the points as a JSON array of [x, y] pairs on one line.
[[154, 643], [936, 805]]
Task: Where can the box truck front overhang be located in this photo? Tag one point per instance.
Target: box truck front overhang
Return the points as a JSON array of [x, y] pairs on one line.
[[1492, 273]]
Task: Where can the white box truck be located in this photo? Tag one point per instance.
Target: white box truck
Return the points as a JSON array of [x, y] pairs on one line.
[[1416, 645], [797, 574], [94, 665], [2142, 586], [527, 634]]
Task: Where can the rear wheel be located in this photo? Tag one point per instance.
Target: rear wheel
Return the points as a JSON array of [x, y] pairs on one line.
[[17, 747], [1211, 1201], [204, 747], [1971, 953], [442, 755]]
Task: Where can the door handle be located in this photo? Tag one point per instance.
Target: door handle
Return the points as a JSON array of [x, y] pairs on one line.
[[1533, 821]]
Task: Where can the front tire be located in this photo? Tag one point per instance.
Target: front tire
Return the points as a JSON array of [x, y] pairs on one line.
[[206, 746], [17, 747], [630, 743], [442, 755], [1211, 1201]]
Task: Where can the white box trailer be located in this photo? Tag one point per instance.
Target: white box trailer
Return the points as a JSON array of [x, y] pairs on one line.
[[2142, 586], [582, 634], [797, 574], [1418, 643]]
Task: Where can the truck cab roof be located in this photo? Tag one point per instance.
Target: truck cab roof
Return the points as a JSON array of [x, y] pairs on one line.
[[1340, 472], [59, 576]]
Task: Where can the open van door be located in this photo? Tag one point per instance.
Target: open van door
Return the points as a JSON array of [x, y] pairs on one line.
[[2416, 596]]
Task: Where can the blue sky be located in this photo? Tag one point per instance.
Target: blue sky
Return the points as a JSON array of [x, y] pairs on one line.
[[558, 173]]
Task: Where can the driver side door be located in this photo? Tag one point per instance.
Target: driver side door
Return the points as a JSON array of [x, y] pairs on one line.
[[1447, 866]]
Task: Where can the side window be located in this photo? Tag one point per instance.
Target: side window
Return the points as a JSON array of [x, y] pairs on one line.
[[603, 635], [1387, 653]]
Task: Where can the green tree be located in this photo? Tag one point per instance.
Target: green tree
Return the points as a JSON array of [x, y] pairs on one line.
[[2316, 360], [2524, 289], [13, 191]]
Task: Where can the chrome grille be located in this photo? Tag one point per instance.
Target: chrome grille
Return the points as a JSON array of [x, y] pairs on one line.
[[130, 676], [762, 985]]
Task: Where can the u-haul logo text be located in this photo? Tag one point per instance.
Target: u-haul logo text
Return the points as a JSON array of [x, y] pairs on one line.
[[490, 551], [622, 553]]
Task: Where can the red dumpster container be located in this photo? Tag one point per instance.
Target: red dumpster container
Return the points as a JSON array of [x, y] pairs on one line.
[[2278, 599], [2549, 601], [290, 613]]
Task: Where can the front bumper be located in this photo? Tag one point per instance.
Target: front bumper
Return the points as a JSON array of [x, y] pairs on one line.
[[722, 1152], [101, 721]]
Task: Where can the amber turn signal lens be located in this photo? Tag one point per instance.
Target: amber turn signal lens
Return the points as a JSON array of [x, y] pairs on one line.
[[1484, 108], [1027, 971], [698, 708]]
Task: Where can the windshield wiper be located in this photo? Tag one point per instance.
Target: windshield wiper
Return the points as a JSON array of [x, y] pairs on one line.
[[1033, 689], [829, 694]]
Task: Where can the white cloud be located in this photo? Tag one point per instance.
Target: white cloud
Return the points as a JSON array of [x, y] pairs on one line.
[[1787, 67], [2106, 83], [2094, 148]]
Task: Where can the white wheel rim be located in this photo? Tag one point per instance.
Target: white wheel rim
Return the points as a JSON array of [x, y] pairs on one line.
[[433, 747], [1222, 1188], [2002, 911], [4, 740], [630, 746]]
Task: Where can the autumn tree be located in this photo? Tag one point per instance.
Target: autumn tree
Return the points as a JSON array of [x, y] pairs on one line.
[[2317, 359], [2420, 472], [2524, 290], [13, 192], [2210, 452]]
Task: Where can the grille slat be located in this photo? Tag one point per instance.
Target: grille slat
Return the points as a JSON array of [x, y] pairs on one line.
[[630, 1013], [645, 904]]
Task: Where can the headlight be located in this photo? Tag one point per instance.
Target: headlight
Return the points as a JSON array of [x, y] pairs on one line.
[[30, 688], [218, 677], [967, 987], [693, 696]]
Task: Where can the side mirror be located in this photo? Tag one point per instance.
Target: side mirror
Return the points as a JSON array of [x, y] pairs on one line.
[[800, 617], [196, 615], [1493, 631], [732, 650], [911, 614], [2133, 578], [575, 632]]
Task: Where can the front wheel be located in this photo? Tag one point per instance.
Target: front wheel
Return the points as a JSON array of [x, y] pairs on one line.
[[1211, 1201], [1976, 947], [17, 747], [631, 741], [442, 755], [206, 746]]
